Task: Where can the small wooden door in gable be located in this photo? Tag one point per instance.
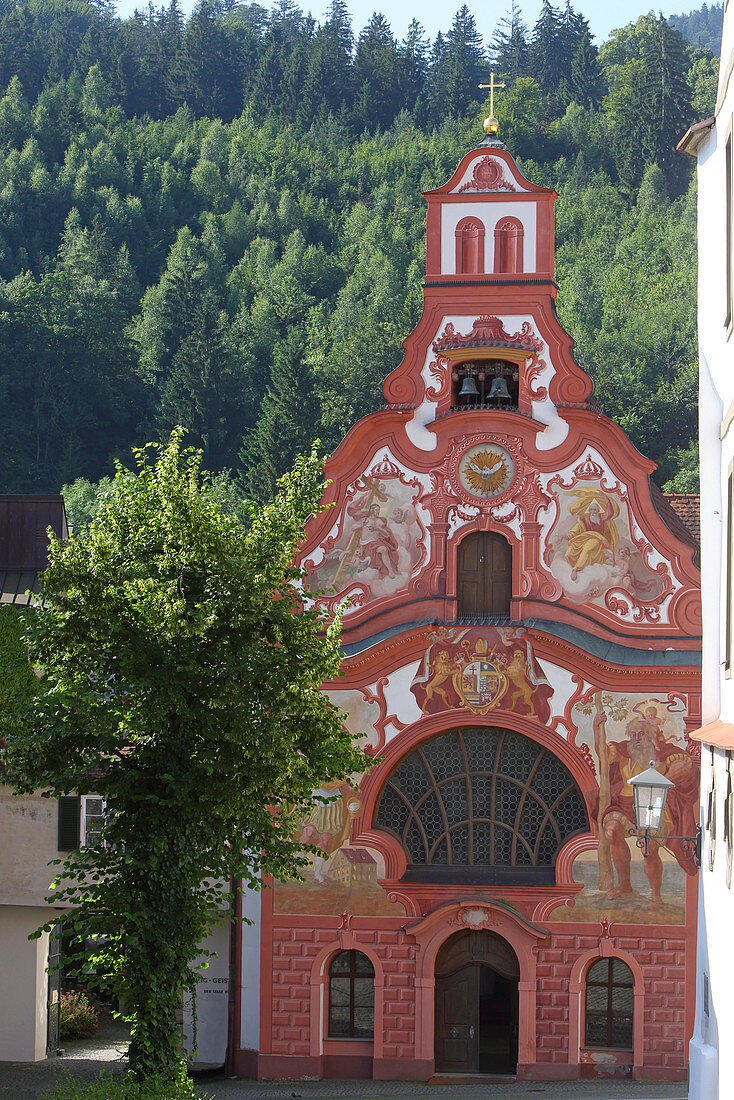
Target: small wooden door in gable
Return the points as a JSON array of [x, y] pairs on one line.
[[484, 580]]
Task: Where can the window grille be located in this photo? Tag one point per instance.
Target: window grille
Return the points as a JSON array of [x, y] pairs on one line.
[[481, 805], [609, 1004], [351, 996]]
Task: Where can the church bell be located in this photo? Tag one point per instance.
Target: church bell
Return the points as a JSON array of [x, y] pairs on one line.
[[468, 388], [498, 390]]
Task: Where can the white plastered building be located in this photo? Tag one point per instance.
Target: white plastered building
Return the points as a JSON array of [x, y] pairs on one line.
[[711, 142]]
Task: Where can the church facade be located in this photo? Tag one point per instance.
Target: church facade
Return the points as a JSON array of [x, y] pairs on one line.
[[522, 636]]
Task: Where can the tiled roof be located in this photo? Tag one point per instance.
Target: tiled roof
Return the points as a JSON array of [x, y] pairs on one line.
[[670, 516], [688, 507], [24, 521], [718, 733], [357, 855]]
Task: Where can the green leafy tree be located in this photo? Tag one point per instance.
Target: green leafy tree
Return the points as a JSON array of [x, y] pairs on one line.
[[181, 683]]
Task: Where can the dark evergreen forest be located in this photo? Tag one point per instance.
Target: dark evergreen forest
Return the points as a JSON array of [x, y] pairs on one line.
[[702, 27], [217, 221]]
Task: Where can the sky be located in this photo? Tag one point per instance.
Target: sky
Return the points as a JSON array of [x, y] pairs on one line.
[[603, 16]]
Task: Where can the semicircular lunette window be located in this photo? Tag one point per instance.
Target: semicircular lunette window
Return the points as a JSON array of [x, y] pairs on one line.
[[481, 805]]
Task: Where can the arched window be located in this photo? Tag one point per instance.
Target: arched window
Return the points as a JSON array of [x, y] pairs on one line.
[[484, 576], [609, 1002], [481, 805], [351, 996], [470, 247], [508, 245]]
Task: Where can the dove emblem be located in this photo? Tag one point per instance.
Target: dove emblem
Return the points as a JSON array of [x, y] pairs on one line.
[[487, 471]]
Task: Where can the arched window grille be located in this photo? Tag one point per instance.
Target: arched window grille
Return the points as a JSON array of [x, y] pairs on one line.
[[508, 246], [351, 996], [610, 988], [481, 805], [470, 247]]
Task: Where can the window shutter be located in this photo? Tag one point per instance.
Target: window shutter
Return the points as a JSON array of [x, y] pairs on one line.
[[69, 810]]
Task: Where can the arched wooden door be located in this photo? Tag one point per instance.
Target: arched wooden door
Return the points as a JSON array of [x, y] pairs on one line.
[[476, 1020], [484, 576]]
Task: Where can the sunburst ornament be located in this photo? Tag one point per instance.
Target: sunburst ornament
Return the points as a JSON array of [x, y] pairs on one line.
[[486, 471]]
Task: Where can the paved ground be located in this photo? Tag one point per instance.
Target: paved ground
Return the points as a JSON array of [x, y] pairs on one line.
[[478, 1090], [83, 1060]]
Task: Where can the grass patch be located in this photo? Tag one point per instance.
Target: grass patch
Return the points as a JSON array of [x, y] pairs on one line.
[[123, 1087]]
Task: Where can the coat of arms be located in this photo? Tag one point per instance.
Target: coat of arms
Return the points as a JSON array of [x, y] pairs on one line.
[[480, 669], [479, 681]]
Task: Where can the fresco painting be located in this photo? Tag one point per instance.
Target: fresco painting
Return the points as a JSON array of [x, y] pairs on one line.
[[341, 877], [380, 543], [481, 669], [591, 550], [627, 732], [362, 714]]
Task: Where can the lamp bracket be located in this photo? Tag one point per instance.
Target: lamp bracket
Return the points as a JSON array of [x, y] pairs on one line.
[[690, 846]]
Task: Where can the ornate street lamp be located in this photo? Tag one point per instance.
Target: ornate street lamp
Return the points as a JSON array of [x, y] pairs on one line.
[[650, 791]]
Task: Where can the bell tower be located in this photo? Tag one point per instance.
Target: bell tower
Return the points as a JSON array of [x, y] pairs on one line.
[[489, 338]]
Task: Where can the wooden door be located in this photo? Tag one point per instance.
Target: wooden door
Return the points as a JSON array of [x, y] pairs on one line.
[[457, 1022], [484, 581]]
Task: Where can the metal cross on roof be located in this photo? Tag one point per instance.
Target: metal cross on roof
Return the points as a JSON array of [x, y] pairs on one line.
[[492, 85]]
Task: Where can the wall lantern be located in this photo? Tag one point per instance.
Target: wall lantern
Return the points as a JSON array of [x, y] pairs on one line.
[[650, 791]]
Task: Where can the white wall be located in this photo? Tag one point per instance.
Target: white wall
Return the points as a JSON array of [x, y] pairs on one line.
[[712, 1060], [23, 984], [212, 1003], [489, 213]]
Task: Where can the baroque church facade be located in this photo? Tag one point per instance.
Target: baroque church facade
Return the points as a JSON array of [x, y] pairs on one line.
[[522, 637]]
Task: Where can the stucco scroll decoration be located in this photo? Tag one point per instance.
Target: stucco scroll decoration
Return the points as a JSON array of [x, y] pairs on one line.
[[440, 500], [474, 919], [488, 332], [438, 369], [487, 176]]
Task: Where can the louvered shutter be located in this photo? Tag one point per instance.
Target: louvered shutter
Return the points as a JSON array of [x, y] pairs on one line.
[[69, 812]]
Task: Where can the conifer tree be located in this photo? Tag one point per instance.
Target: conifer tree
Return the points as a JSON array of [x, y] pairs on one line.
[[329, 77], [463, 63], [547, 51], [287, 422], [414, 52], [15, 116], [509, 49], [666, 96], [376, 75], [587, 85]]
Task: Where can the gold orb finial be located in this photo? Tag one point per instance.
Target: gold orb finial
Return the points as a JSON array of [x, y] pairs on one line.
[[491, 125]]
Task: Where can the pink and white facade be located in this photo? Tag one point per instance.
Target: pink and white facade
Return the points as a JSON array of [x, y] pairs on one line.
[[522, 637]]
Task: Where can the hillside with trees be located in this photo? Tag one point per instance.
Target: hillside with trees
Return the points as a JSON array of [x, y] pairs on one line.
[[702, 27], [217, 221]]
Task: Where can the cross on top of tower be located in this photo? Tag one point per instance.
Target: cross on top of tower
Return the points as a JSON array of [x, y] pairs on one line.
[[491, 125]]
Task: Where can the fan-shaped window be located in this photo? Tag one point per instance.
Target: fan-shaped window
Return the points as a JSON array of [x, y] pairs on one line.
[[508, 246], [481, 805], [610, 989], [470, 247], [351, 996]]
